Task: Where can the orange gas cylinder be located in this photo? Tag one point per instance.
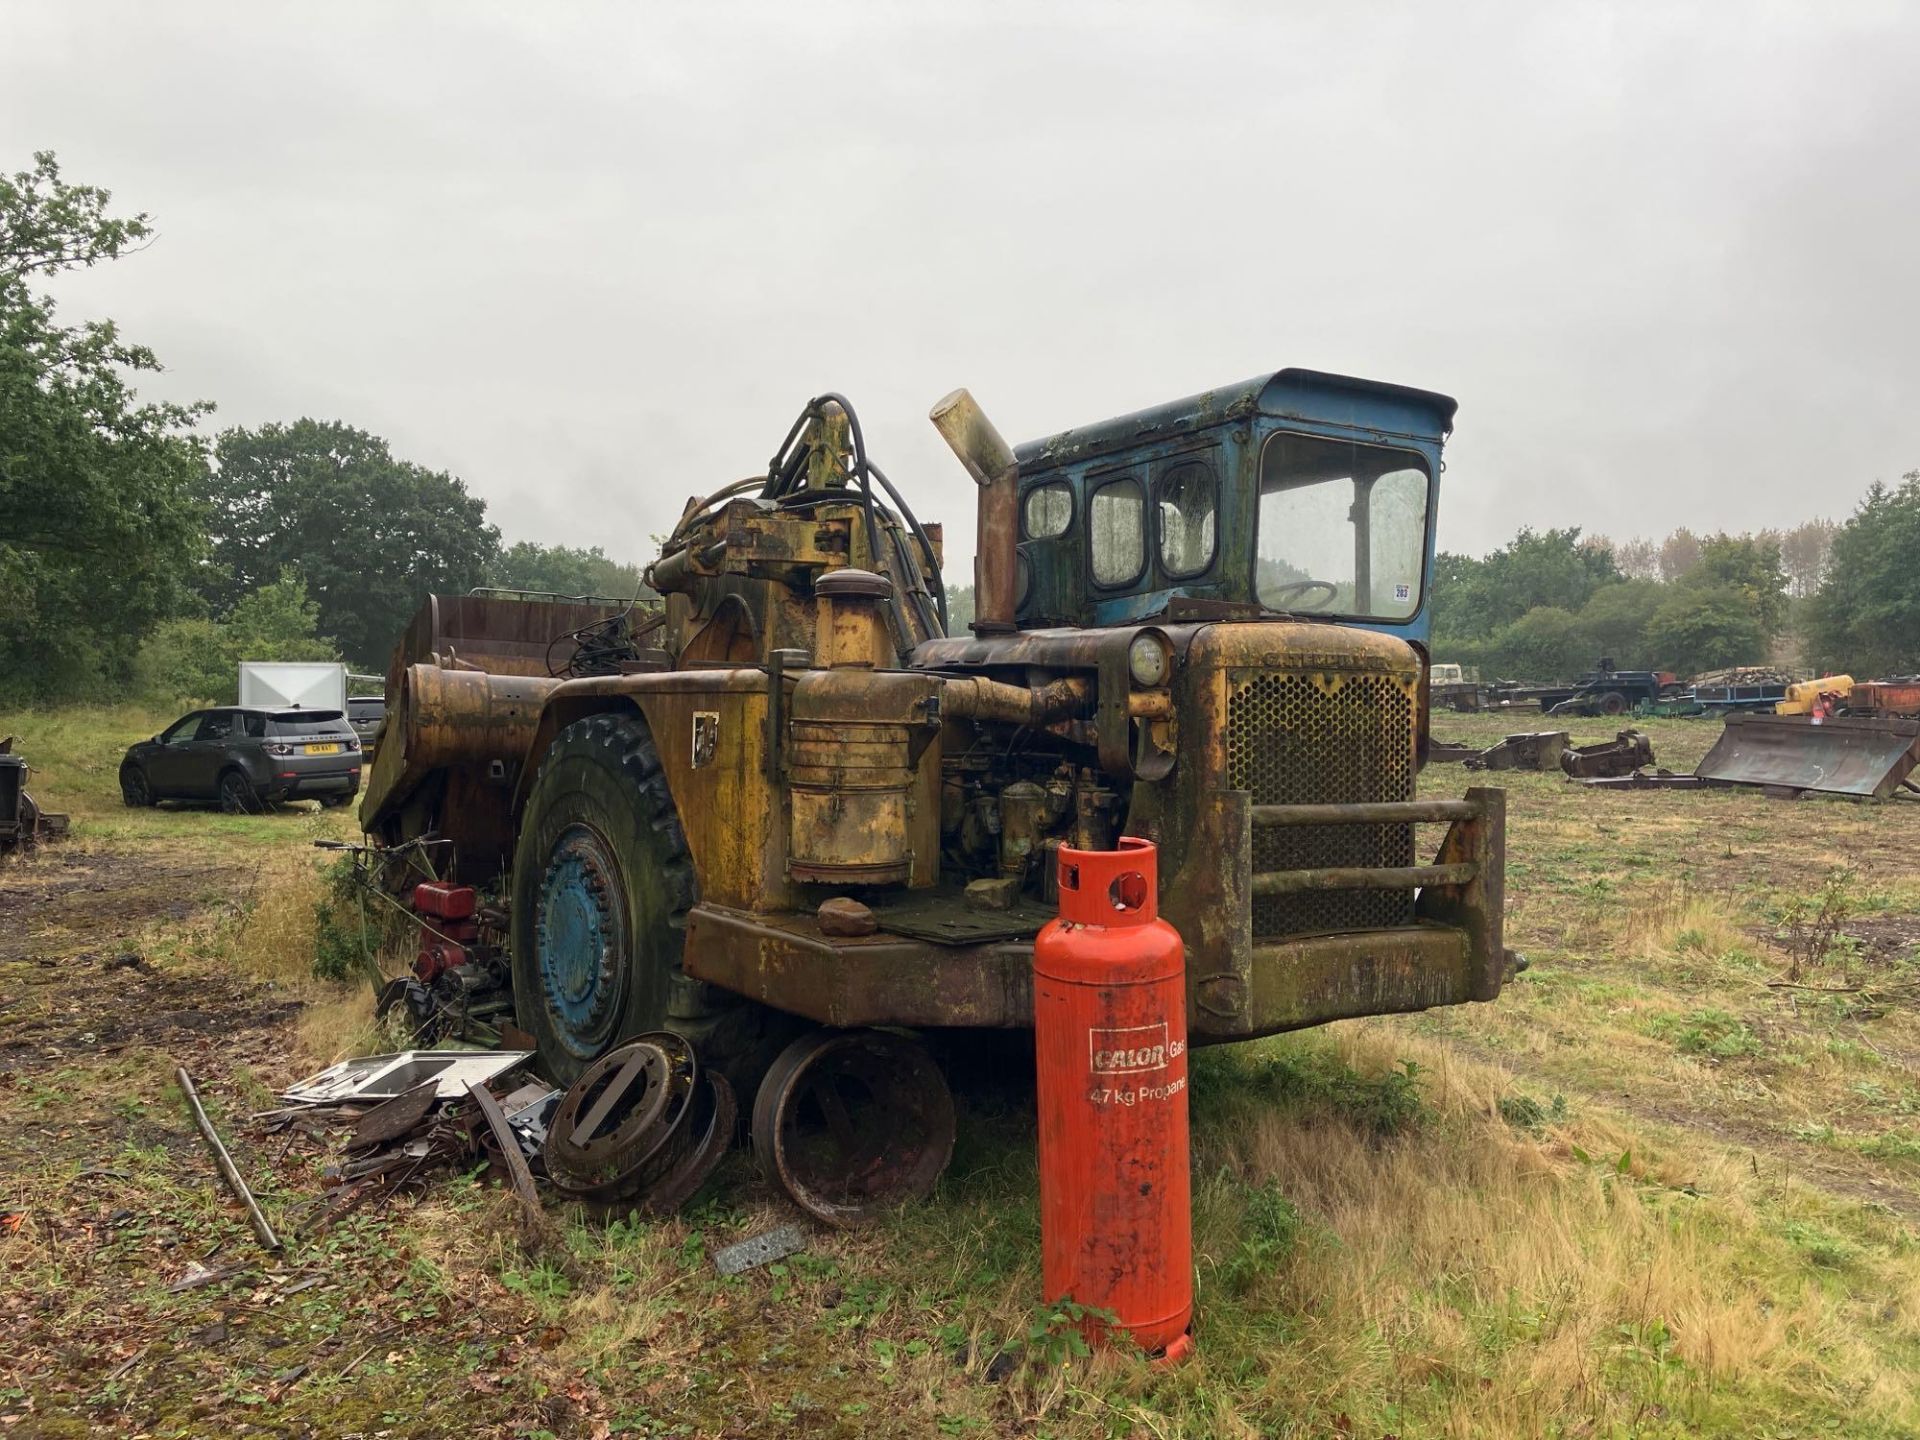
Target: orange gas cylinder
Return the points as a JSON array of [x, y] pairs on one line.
[[1110, 1037]]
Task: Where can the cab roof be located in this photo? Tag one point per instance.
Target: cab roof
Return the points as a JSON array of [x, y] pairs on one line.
[[1307, 396]]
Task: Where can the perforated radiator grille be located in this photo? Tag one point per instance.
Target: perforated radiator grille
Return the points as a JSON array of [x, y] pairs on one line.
[[1314, 739]]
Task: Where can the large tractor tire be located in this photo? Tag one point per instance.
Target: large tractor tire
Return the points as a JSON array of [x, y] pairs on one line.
[[602, 882]]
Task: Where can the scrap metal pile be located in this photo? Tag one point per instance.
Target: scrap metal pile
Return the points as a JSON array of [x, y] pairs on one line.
[[415, 1114], [1627, 753], [1868, 755], [642, 1129]]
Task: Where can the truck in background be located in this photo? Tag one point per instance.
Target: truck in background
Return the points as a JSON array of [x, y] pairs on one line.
[[293, 685]]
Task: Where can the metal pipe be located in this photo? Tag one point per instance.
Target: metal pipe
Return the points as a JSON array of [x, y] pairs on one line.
[[978, 698], [221, 1158], [1361, 877], [1384, 812], [989, 460]]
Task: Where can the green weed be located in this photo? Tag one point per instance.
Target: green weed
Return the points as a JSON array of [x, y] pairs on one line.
[[1707, 1031], [1523, 1112]]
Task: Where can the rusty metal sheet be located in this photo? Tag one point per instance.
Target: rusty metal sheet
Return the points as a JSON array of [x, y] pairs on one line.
[[1859, 756], [518, 1176], [392, 1119], [784, 961], [946, 919], [1643, 780]]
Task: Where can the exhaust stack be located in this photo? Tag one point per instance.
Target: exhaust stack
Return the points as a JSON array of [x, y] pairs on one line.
[[989, 459]]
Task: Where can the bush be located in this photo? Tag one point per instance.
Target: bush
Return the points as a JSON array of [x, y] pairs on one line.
[[352, 929], [185, 661], [1269, 1231], [199, 659]]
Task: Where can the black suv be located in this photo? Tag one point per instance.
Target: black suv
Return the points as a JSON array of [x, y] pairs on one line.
[[367, 713], [246, 759]]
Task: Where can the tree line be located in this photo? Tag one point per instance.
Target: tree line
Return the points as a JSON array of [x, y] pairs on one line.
[[1825, 596], [138, 554]]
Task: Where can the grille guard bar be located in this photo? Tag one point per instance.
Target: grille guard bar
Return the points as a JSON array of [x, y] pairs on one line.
[[1267, 986]]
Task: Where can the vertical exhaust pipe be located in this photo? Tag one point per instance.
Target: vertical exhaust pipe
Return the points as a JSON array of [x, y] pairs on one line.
[[989, 460]]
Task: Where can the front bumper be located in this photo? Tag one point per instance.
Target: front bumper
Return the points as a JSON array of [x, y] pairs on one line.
[[1237, 988], [1240, 986]]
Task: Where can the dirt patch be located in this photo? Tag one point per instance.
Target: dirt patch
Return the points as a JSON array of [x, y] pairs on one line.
[[107, 1005], [74, 978], [1884, 937]]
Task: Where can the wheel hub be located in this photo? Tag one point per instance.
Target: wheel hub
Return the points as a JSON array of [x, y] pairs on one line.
[[580, 933], [852, 1123]]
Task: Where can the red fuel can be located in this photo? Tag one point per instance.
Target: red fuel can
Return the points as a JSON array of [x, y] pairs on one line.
[[1110, 1036]]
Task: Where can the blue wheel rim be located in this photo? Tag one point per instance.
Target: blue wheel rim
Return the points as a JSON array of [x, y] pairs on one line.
[[580, 935]]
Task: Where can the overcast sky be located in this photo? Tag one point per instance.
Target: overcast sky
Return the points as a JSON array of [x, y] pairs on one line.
[[593, 258]]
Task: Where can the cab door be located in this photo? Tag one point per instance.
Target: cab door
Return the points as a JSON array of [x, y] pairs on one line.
[[206, 755], [166, 763]]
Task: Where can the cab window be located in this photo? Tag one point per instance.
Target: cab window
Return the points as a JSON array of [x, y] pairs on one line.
[[218, 725], [1342, 528], [1047, 511], [256, 724], [1116, 524], [1185, 498]]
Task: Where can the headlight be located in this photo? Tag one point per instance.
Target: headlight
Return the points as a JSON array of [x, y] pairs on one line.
[[1147, 659]]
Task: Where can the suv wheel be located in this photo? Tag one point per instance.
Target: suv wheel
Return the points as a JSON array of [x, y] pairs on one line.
[[236, 794], [134, 789]]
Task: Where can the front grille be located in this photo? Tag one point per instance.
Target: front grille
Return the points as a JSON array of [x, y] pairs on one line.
[[1317, 739]]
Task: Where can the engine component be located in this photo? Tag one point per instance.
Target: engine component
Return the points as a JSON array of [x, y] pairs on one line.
[[1096, 809], [447, 928], [856, 738], [989, 460], [978, 698], [849, 629], [1024, 816], [1110, 1037]]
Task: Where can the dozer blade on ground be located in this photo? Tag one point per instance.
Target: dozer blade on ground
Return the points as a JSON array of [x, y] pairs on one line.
[[1843, 756]]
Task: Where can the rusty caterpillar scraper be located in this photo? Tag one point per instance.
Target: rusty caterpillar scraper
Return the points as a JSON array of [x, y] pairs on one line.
[[787, 808]]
